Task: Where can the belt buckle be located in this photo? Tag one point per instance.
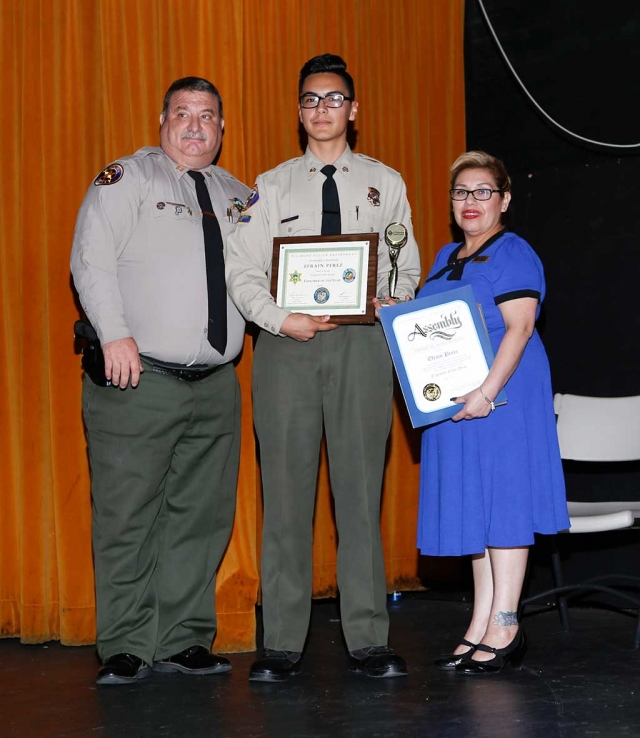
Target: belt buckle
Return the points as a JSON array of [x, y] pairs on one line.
[[183, 373]]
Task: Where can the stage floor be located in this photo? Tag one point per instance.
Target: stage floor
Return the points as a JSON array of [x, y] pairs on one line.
[[585, 683]]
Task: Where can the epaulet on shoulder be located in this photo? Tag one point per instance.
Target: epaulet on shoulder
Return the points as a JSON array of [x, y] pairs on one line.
[[371, 160], [144, 152], [224, 173], [283, 165]]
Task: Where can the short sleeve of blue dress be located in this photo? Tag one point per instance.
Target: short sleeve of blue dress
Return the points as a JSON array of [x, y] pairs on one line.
[[494, 481]]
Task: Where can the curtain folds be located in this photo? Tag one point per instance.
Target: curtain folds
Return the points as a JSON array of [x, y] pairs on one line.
[[82, 84]]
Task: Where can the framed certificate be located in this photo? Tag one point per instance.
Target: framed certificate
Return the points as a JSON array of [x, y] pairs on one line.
[[441, 349], [327, 275]]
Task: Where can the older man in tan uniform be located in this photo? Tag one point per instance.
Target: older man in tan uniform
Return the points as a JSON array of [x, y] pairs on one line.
[[148, 264], [309, 373]]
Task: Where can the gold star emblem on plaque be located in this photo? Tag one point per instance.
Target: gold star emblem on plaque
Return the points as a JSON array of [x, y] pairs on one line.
[[295, 277]]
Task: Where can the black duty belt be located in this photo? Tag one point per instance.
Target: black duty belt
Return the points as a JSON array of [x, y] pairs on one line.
[[193, 373]]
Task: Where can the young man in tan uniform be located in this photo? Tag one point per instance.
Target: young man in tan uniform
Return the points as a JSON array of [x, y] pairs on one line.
[[309, 373]]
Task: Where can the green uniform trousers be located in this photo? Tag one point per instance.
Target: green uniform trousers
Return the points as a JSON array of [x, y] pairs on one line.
[[164, 467], [343, 380]]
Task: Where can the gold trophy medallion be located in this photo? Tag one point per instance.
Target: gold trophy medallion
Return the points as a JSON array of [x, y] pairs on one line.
[[395, 236], [431, 392]]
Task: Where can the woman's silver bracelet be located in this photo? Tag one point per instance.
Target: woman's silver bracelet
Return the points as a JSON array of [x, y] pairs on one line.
[[489, 402]]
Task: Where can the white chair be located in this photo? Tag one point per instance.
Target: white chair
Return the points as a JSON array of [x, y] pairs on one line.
[[597, 429]]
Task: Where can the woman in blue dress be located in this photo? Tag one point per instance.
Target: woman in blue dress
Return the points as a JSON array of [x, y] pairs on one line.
[[490, 480]]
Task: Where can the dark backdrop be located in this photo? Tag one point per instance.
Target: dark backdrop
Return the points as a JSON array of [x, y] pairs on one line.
[[574, 202], [578, 204]]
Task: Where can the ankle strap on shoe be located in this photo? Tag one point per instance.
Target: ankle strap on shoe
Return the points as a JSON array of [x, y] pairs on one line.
[[486, 649]]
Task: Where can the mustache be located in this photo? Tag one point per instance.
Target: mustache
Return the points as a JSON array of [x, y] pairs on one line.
[[194, 134]]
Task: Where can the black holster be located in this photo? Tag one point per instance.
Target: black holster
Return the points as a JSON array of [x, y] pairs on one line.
[[92, 356]]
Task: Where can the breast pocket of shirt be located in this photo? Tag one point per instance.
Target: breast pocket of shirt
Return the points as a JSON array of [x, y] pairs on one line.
[[174, 225], [166, 213], [302, 224], [361, 221]]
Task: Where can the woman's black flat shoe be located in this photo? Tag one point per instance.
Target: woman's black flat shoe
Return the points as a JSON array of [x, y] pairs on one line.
[[512, 655], [449, 662]]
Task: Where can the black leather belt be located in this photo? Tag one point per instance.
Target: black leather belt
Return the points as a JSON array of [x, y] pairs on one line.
[[193, 373]]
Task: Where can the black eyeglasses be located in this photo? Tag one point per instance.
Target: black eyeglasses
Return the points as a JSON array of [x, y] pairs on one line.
[[481, 194], [331, 100]]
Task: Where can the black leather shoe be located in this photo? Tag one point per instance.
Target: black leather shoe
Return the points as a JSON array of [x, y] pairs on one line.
[[194, 660], [122, 668], [512, 655], [275, 666], [377, 661], [450, 661]]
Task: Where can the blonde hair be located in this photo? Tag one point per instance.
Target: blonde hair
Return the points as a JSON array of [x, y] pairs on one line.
[[482, 160]]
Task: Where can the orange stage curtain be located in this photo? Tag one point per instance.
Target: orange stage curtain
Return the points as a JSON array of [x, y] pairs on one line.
[[81, 84]]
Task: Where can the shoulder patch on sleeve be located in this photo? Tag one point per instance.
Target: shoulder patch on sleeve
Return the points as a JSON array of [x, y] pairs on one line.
[[110, 175]]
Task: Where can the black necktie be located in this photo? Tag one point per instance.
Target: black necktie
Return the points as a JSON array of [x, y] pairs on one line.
[[331, 224], [214, 260]]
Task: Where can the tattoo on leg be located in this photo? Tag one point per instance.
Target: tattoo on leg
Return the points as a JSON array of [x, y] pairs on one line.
[[505, 618]]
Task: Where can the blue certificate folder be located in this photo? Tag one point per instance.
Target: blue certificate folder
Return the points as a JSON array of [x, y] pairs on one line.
[[441, 349]]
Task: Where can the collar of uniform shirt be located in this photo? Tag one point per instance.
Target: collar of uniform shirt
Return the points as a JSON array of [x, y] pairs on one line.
[[342, 164], [180, 170]]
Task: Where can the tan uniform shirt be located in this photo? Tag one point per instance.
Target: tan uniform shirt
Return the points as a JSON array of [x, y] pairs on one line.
[[290, 204], [138, 258]]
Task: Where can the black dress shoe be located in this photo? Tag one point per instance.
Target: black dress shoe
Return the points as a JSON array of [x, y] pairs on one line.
[[275, 666], [450, 661], [122, 668], [512, 655], [377, 661], [194, 660]]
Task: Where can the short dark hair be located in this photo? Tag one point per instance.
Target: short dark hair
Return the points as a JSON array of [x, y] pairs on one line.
[[190, 84], [327, 64]]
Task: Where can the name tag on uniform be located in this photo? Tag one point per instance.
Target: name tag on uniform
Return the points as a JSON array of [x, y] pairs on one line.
[[288, 220]]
